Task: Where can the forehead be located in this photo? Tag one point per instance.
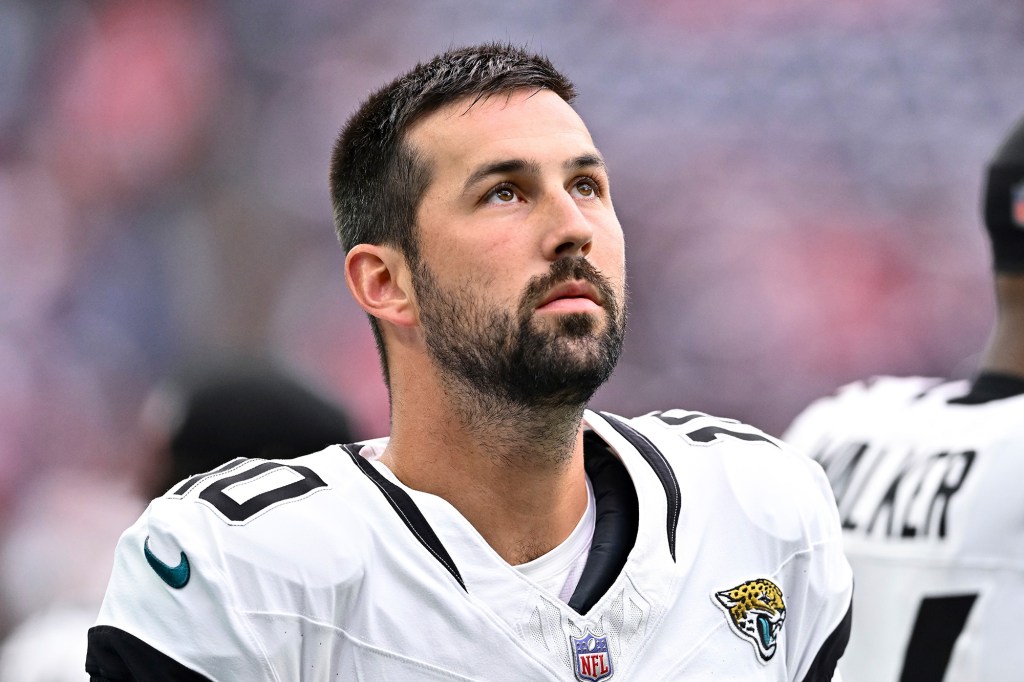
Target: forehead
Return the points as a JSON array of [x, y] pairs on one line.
[[523, 123]]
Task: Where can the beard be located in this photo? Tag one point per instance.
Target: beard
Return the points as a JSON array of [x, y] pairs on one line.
[[513, 357]]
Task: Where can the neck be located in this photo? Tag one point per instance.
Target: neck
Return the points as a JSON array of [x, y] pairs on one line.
[[1005, 353], [514, 472]]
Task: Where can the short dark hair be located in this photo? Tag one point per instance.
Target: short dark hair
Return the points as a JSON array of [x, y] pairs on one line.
[[377, 179]]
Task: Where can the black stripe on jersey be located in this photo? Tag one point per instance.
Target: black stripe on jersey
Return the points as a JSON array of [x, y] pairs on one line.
[[823, 667], [661, 467], [615, 525], [408, 512], [116, 656]]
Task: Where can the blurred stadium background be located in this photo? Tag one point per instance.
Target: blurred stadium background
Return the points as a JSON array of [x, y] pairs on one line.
[[798, 182]]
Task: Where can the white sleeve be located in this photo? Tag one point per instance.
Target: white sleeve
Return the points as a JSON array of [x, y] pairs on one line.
[[822, 613], [169, 595]]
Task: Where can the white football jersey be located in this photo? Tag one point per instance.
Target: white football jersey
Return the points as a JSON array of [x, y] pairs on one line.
[[716, 554], [925, 477]]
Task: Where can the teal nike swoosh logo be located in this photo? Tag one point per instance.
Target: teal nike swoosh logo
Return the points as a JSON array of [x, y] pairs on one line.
[[175, 576]]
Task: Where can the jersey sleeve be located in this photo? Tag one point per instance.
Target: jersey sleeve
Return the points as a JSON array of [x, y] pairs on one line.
[[115, 655], [820, 590], [780, 505], [170, 611]]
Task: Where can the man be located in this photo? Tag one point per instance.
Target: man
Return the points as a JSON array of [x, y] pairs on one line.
[[925, 473], [502, 532]]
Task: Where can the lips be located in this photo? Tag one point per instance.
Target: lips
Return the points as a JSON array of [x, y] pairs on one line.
[[577, 291]]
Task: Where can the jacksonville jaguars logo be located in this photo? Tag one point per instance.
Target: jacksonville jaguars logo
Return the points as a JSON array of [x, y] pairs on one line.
[[756, 612]]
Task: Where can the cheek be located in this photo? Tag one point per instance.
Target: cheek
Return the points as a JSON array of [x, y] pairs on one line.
[[610, 240], [501, 263], [612, 262], [487, 280]]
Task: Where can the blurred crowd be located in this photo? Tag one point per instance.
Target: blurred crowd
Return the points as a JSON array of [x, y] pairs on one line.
[[795, 178]]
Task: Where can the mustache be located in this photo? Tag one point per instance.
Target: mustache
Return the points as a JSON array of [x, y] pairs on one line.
[[566, 270]]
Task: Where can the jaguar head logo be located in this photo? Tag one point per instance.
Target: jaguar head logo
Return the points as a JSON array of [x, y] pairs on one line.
[[756, 612]]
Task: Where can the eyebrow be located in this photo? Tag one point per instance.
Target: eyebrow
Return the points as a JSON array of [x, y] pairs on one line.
[[585, 161], [510, 166]]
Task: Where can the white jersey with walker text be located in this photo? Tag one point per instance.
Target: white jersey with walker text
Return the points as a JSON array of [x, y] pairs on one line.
[[926, 474], [716, 555]]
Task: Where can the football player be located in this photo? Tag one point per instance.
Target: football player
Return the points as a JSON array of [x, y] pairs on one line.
[[924, 473], [502, 531]]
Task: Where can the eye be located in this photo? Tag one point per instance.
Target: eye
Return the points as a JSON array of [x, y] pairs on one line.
[[586, 188], [502, 194]]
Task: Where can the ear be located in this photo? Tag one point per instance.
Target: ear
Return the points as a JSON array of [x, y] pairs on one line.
[[379, 280]]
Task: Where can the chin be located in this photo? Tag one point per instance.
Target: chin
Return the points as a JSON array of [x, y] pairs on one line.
[[576, 325]]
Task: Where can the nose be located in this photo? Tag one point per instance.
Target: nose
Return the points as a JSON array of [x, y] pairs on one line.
[[568, 232]]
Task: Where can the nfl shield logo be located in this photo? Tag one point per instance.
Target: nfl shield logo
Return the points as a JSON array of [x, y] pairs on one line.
[[591, 658], [1017, 197]]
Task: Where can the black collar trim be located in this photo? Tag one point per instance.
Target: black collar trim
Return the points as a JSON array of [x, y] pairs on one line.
[[989, 386], [661, 467], [407, 510], [615, 526]]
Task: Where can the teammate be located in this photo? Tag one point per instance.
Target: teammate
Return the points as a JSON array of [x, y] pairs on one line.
[[925, 473], [502, 532], [220, 408]]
